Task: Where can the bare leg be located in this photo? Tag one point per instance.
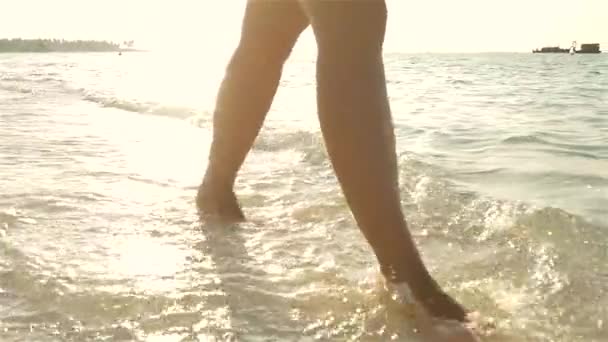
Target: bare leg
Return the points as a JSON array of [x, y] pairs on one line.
[[357, 127], [270, 29]]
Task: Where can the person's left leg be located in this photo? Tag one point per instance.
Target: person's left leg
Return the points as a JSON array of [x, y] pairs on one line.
[[270, 30]]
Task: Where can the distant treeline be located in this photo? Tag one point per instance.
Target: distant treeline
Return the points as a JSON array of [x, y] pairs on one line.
[[55, 45]]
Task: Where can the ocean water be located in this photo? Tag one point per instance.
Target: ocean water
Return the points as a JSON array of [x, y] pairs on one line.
[[504, 180]]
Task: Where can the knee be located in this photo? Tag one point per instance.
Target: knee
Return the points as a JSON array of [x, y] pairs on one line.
[[261, 57]]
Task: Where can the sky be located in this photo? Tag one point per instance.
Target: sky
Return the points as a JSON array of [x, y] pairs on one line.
[[414, 25]]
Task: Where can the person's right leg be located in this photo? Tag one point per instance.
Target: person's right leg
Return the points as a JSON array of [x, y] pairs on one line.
[[357, 126], [270, 30]]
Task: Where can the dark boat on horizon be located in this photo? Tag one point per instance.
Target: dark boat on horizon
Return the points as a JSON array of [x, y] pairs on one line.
[[589, 48], [585, 48]]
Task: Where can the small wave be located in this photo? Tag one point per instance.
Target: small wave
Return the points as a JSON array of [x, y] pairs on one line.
[[201, 120], [18, 88], [13, 78], [47, 79], [174, 112], [118, 103], [141, 107], [490, 171], [524, 139], [309, 144], [462, 82], [589, 91], [589, 149], [570, 153], [429, 188], [38, 78], [277, 141]]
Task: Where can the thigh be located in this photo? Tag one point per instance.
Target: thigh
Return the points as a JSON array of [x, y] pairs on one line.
[[347, 24], [272, 25]]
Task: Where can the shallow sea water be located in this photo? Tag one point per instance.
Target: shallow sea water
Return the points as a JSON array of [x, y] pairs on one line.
[[503, 166]]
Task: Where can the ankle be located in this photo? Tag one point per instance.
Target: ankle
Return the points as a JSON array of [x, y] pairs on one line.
[[218, 203], [400, 292], [214, 183]]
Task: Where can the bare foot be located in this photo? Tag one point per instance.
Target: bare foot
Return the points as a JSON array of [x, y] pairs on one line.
[[439, 330], [447, 331], [215, 204], [436, 326], [431, 298], [441, 305]]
